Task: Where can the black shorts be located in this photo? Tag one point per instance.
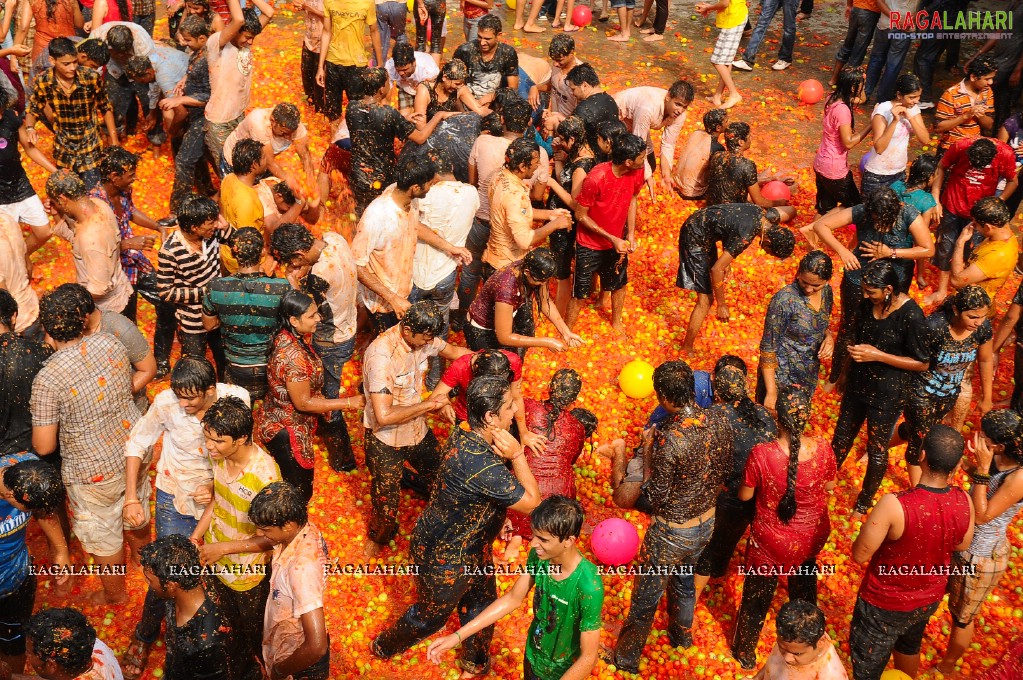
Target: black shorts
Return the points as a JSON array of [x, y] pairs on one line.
[[610, 265], [15, 611], [563, 247], [832, 193], [875, 633], [338, 81], [694, 270]]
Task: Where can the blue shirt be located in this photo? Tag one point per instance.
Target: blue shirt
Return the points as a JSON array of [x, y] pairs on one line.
[[921, 199], [897, 237], [171, 66], [13, 522]]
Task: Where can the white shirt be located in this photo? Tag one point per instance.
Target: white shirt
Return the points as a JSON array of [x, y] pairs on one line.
[[104, 663], [426, 69], [184, 463], [142, 43], [643, 110], [14, 276], [258, 126], [448, 210], [896, 155], [336, 266]]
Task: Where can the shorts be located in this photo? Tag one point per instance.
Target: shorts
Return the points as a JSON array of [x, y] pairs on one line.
[[563, 247], [876, 632], [610, 265], [694, 270], [405, 100], [28, 211], [216, 136], [96, 512], [338, 81], [15, 611], [629, 4], [949, 229], [966, 594], [727, 45], [634, 469], [832, 193]]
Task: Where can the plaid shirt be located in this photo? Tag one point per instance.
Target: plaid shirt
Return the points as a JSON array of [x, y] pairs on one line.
[[85, 389], [76, 142], [134, 262], [141, 8]]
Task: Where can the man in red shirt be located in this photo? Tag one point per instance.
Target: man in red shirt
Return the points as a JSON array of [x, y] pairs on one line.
[[908, 540], [969, 171], [606, 226]]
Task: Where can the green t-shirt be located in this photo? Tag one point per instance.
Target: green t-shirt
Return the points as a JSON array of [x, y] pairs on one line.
[[561, 611]]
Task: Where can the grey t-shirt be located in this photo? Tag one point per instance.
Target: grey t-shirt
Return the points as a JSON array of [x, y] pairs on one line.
[[129, 335]]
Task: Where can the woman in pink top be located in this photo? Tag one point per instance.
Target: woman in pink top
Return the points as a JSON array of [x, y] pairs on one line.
[[835, 184], [791, 478], [54, 19]]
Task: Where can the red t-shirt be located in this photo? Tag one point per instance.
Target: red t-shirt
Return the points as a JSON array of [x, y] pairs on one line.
[[459, 374], [774, 543], [608, 197], [965, 185]]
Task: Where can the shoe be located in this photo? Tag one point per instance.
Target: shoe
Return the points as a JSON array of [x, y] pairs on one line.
[[541, 17], [781, 65], [923, 106], [741, 65], [162, 369]]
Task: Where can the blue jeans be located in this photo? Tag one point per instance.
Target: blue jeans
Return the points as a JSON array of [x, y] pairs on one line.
[[872, 181], [471, 27], [441, 295], [788, 32], [886, 58], [664, 547], [391, 23], [476, 243], [862, 23], [334, 358]]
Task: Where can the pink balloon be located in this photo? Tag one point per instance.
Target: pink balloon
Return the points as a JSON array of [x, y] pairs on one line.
[[615, 541], [775, 190], [581, 16]]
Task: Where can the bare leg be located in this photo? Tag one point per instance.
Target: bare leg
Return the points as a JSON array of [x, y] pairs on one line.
[[700, 582], [939, 295], [617, 304], [696, 320], [625, 19], [573, 313], [907, 663], [534, 12], [569, 8], [834, 73], [958, 642], [563, 296], [520, 9], [725, 73], [113, 584], [641, 19], [136, 539]]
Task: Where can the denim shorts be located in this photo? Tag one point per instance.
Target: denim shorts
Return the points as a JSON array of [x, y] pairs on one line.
[[628, 4]]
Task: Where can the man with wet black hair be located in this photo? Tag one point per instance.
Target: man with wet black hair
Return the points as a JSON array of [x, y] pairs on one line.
[[594, 105], [492, 64], [277, 130], [62, 644]]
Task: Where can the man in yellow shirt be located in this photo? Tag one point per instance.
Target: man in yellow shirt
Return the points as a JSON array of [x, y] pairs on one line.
[[239, 200], [991, 262], [343, 54]]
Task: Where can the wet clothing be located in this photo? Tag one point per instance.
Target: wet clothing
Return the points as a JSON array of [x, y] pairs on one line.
[[793, 334], [734, 225], [373, 129], [486, 77], [729, 178], [197, 649]]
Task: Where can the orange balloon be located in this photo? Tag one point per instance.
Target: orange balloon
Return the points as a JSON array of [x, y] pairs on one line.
[[811, 91]]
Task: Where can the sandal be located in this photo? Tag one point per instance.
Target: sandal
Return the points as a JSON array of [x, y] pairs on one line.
[[135, 660]]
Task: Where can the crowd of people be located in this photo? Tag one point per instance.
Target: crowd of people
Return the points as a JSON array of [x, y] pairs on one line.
[[491, 191]]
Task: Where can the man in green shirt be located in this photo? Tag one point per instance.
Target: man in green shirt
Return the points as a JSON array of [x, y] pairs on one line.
[[564, 636]]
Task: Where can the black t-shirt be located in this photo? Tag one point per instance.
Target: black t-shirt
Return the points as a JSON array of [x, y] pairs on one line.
[[744, 438], [950, 358], [902, 333], [373, 129], [14, 184], [485, 77], [20, 360], [594, 110], [467, 509], [730, 177], [197, 649], [734, 225]]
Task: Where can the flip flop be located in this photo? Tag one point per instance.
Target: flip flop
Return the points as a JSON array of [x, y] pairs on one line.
[[136, 658]]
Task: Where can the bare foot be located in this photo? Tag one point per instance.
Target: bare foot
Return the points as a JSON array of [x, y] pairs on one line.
[[945, 668], [372, 548], [99, 597], [533, 28], [639, 21], [828, 387], [715, 100], [518, 27], [860, 99], [800, 16], [934, 298], [621, 37], [731, 101], [644, 31], [653, 37], [618, 327]]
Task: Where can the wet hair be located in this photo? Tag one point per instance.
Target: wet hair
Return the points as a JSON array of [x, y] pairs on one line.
[[484, 395], [991, 210], [370, 81], [586, 418], [883, 207], [252, 24], [730, 387], [573, 128], [173, 559], [559, 516], [229, 417], [65, 184], [675, 384], [731, 360], [247, 246], [562, 45], [8, 308], [516, 115], [412, 171], [801, 621], [981, 153], [137, 67], [192, 376], [626, 148], [793, 416], [1002, 426], [277, 504], [81, 296], [520, 152], [539, 263], [95, 50], [563, 390], [818, 263], [778, 241], [403, 54], [502, 97], [454, 70], [196, 211], [442, 162], [36, 485], [981, 65], [289, 240], [116, 160], [60, 48], [61, 315], [490, 22], [611, 130], [908, 83], [120, 39], [63, 636], [247, 153], [850, 84], [714, 119], [294, 303], [881, 274], [286, 115], [922, 170], [966, 299], [424, 318], [943, 448], [194, 26], [735, 134], [682, 90], [582, 74], [492, 362], [492, 124], [284, 192]]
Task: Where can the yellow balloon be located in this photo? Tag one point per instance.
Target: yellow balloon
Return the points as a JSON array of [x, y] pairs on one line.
[[894, 674], [637, 379], [411, 4], [510, 4]]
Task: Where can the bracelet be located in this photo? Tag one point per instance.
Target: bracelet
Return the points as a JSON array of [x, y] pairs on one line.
[[459, 637], [980, 479], [133, 502], [894, 256]]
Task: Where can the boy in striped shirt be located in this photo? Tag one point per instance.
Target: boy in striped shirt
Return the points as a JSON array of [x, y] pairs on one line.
[[226, 536]]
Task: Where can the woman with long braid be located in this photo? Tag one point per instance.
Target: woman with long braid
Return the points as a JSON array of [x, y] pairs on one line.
[[791, 478]]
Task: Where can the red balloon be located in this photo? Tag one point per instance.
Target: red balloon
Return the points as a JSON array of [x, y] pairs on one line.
[[811, 91], [581, 16], [775, 190]]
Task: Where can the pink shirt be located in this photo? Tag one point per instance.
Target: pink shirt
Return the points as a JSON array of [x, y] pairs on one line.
[[827, 666], [230, 80], [257, 126], [832, 160]]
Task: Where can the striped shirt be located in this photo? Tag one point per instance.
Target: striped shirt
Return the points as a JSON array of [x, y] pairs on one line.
[[247, 307], [956, 101], [184, 274], [231, 499]]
